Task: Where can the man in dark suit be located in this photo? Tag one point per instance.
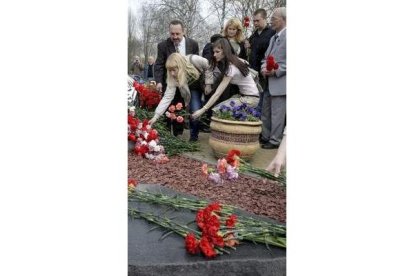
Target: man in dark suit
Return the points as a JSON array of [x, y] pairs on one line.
[[177, 42]]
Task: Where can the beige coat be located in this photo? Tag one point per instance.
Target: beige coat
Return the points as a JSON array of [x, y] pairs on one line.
[[202, 65]]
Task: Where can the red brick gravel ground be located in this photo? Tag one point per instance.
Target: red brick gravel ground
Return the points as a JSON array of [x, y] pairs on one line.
[[183, 174]]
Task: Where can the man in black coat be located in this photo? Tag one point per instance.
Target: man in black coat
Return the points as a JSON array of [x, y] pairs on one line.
[[259, 41], [177, 42]]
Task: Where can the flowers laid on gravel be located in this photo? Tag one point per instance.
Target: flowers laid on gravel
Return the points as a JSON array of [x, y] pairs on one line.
[[145, 138], [237, 113], [172, 145], [227, 169], [149, 97], [132, 184], [223, 171]]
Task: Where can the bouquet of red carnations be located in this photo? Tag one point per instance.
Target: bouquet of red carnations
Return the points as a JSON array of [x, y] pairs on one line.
[[148, 96], [271, 63], [146, 139]]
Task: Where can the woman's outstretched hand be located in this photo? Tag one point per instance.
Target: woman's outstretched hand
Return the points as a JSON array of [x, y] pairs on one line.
[[197, 114], [152, 121]]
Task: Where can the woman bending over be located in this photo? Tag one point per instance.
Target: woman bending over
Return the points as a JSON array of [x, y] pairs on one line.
[[184, 73], [232, 71]]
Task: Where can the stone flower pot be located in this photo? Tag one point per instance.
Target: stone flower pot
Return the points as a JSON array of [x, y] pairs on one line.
[[240, 135]]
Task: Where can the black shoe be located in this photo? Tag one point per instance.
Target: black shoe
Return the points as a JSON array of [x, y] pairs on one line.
[[206, 130], [192, 139], [263, 141], [269, 145]]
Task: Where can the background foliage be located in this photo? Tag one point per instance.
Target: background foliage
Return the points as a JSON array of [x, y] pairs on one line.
[[148, 20]]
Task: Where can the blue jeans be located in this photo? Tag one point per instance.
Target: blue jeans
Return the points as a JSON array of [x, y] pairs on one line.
[[195, 104]]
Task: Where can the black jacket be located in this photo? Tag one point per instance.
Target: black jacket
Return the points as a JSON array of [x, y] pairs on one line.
[[164, 50], [259, 44]]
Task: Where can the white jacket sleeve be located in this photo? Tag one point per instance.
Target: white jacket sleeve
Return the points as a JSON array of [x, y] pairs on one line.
[[165, 101]]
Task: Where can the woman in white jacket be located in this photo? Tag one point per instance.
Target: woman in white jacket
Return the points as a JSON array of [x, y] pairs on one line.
[[185, 73]]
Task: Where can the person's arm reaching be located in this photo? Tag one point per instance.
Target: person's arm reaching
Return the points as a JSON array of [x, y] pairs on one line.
[[220, 89], [164, 103]]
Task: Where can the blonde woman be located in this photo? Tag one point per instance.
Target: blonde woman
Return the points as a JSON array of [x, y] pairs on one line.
[[233, 31], [185, 73]]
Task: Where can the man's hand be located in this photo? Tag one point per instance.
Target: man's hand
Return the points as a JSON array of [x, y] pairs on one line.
[[266, 73], [197, 114], [246, 44], [159, 87], [207, 89]]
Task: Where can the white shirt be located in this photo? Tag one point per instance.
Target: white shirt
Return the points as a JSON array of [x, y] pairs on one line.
[[246, 85], [181, 47], [278, 34]]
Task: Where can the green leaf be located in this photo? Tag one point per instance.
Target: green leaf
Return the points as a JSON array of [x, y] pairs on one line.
[[166, 235], [153, 228]]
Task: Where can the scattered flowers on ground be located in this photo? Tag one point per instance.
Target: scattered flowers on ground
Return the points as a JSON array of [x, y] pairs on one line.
[[242, 112], [132, 184], [149, 97], [223, 171], [146, 139], [218, 226], [228, 168], [172, 145], [215, 231]]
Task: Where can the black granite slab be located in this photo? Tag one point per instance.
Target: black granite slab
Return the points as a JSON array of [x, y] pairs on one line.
[[148, 255]]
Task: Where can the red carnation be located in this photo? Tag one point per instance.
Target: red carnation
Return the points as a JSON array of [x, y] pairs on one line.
[[133, 126], [246, 21], [231, 221], [271, 63], [200, 218], [217, 240], [214, 207], [232, 155], [207, 248], [132, 137], [191, 243], [152, 135], [145, 124], [142, 150], [132, 182], [213, 221]]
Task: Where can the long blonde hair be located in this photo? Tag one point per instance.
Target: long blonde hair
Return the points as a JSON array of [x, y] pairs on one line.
[[235, 23], [186, 71]]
